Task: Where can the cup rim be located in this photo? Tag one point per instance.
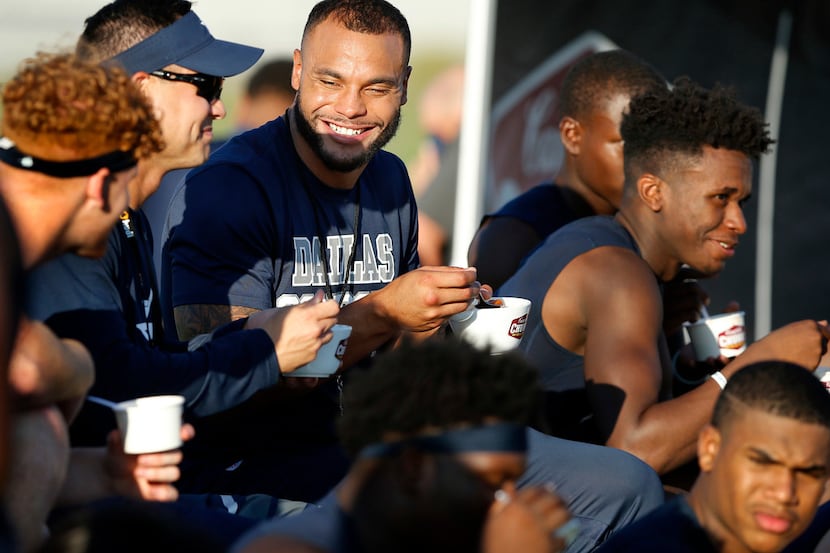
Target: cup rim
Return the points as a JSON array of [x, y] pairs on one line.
[[167, 400], [703, 320]]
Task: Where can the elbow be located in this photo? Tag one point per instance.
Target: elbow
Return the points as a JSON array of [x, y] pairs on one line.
[[657, 457]]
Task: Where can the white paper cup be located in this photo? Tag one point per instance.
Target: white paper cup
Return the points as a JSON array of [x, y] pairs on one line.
[[150, 424], [823, 374], [501, 329], [329, 356], [723, 334]]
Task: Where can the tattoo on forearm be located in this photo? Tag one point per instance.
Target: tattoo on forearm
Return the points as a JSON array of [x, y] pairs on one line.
[[192, 320]]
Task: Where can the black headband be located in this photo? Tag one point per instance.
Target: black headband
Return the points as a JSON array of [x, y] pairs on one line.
[[495, 438], [115, 161]]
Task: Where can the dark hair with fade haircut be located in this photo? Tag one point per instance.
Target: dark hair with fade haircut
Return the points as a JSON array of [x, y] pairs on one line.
[[438, 384], [123, 24], [373, 17], [661, 126], [596, 79], [775, 387]]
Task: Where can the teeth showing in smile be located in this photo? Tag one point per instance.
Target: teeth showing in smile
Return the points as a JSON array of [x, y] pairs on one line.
[[344, 131], [724, 245]]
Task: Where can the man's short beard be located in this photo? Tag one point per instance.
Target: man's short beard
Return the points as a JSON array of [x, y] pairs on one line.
[[316, 143]]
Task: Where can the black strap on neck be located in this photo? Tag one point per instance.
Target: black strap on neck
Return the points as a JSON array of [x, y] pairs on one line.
[[115, 161], [141, 265]]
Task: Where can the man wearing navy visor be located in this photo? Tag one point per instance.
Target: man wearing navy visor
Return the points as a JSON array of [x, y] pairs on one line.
[[111, 304]]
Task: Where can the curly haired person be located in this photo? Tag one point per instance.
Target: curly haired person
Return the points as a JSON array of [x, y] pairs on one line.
[[72, 135], [597, 336], [437, 432]]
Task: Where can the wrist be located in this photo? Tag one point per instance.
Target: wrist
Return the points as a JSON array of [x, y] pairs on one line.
[[719, 379]]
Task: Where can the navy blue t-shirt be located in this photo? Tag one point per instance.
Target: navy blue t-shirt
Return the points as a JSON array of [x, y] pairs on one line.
[[671, 528], [246, 227], [111, 306], [545, 208]]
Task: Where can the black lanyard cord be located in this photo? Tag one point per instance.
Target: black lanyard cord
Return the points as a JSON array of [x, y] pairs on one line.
[[318, 213]]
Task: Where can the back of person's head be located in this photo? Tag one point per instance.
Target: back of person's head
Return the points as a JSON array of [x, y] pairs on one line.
[[596, 79], [416, 413], [667, 129], [61, 108], [777, 388], [442, 104], [440, 384], [124, 23], [272, 76], [268, 94], [373, 17]]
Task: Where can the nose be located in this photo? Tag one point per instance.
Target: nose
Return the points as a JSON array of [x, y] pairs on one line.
[[735, 220], [350, 103], [217, 110], [782, 486]]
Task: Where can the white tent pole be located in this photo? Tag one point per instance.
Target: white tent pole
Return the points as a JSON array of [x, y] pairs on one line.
[[766, 179], [475, 127]]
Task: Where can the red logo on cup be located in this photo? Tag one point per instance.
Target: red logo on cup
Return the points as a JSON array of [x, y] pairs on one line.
[[732, 338], [517, 327]]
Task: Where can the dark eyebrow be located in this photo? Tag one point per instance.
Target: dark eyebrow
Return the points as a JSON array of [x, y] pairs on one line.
[[763, 455], [766, 457]]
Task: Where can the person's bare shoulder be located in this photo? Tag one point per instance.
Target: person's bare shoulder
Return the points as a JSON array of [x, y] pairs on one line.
[[602, 294]]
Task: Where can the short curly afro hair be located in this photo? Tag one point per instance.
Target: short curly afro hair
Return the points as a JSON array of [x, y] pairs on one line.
[[435, 384], [62, 108], [664, 128]]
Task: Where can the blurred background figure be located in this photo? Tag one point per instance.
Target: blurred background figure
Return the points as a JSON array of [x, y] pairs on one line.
[[435, 171], [267, 95]]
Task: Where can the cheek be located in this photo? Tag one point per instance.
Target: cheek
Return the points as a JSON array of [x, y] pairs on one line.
[[613, 161]]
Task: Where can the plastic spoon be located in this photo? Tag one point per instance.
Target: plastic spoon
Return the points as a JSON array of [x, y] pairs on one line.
[[482, 303], [105, 402]]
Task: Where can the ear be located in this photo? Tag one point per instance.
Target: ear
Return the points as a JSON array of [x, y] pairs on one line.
[[651, 189], [405, 86], [570, 132], [297, 70], [140, 79], [708, 446], [96, 188]]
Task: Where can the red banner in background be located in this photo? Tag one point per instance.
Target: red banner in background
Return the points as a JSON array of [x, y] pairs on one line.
[[525, 149]]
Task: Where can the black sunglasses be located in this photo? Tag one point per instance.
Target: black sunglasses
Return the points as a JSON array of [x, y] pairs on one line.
[[208, 87]]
